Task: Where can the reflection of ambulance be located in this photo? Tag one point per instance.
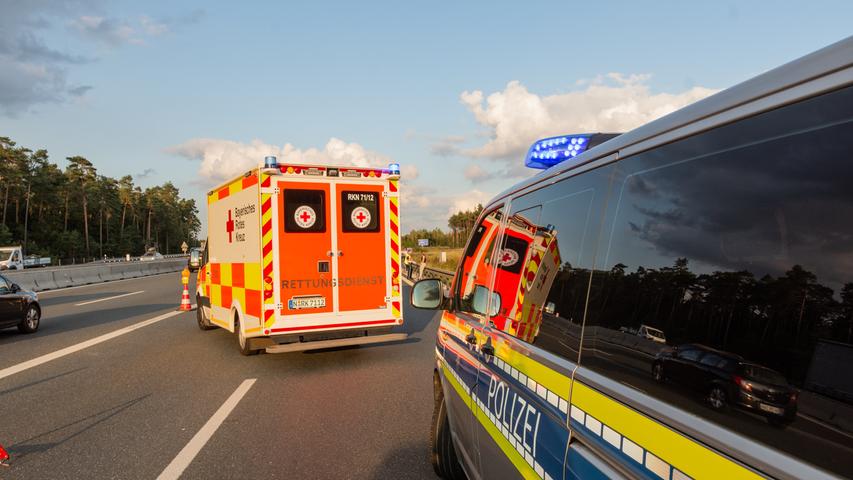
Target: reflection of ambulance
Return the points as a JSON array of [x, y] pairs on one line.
[[303, 257], [528, 264]]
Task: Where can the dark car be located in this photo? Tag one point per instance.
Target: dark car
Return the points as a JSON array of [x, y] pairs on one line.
[[18, 307], [725, 379]]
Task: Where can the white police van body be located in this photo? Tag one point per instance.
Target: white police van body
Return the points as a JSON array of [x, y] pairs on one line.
[[726, 224]]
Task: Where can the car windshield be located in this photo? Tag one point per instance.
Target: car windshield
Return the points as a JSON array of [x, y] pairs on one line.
[[762, 374], [5, 253]]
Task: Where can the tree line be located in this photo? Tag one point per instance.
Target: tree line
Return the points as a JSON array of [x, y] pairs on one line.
[[75, 213], [775, 320], [460, 224]]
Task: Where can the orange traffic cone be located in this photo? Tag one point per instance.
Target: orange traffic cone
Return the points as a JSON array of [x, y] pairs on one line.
[[186, 306], [3, 457]]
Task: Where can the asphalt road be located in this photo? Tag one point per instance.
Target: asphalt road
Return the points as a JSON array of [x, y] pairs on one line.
[[128, 407]]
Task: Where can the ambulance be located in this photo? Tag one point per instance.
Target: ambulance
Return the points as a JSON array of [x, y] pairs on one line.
[[303, 257]]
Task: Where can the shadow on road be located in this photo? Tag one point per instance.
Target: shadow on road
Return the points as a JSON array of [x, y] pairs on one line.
[[37, 444], [67, 323], [43, 380], [406, 461]]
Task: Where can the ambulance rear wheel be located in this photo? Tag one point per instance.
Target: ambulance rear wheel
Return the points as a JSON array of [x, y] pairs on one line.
[[203, 322], [442, 452], [242, 341]]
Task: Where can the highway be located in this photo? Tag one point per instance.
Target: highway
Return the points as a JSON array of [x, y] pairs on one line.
[[115, 384]]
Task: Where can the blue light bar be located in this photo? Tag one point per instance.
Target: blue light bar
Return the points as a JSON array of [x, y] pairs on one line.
[[548, 152]]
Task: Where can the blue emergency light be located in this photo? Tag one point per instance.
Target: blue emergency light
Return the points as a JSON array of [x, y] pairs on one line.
[[394, 169], [548, 152]]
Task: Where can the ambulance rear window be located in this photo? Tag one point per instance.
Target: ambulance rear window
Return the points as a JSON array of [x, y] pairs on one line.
[[360, 211], [304, 211]]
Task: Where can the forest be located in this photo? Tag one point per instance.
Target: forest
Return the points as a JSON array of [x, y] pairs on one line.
[[460, 225], [75, 214]]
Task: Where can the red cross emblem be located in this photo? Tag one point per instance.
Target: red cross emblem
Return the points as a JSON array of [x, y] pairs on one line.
[[305, 216], [360, 217], [229, 226], [509, 257]]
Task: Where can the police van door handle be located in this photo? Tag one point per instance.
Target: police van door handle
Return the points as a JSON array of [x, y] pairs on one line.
[[471, 338], [488, 348], [340, 253], [330, 253]]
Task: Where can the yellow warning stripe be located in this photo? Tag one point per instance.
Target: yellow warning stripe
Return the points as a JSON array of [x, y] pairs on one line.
[[690, 457], [511, 453], [683, 453]]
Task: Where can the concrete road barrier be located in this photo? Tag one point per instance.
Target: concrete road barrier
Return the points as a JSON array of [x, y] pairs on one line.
[[40, 279]]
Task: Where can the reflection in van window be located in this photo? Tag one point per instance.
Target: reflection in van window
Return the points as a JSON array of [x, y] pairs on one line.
[[477, 263], [543, 291], [738, 240]]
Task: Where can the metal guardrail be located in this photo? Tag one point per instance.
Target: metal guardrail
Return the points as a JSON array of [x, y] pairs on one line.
[[445, 276], [40, 279]]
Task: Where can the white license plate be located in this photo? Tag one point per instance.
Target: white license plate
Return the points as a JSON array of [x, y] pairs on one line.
[[306, 302], [770, 408]]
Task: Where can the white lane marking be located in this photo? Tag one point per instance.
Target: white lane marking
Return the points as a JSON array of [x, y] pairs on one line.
[[822, 424], [100, 284], [108, 298], [186, 456], [6, 372]]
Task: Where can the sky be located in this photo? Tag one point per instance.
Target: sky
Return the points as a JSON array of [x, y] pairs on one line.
[[197, 92]]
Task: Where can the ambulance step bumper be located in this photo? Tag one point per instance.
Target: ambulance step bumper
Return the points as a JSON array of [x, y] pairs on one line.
[[339, 342]]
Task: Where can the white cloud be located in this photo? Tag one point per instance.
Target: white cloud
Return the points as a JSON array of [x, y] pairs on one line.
[[476, 173], [224, 159], [153, 27], [107, 30], [515, 117], [428, 207]]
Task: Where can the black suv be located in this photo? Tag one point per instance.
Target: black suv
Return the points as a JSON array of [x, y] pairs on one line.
[[18, 307], [724, 378]]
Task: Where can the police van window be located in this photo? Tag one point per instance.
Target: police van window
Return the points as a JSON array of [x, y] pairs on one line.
[[304, 211], [360, 211], [739, 239], [516, 250], [472, 289], [540, 274]]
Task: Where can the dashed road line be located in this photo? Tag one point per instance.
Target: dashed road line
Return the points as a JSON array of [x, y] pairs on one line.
[[107, 298], [7, 372], [189, 452]]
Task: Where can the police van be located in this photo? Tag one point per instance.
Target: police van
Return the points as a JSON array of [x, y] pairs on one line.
[[302, 257], [728, 225]]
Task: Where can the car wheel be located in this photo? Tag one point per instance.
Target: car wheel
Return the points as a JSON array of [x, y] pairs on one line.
[[31, 320], [657, 372], [442, 452], [203, 322], [242, 341], [717, 398]]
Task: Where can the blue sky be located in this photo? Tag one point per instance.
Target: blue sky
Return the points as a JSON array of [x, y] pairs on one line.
[[454, 91]]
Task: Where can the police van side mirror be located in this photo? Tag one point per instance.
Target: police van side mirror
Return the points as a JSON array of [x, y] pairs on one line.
[[427, 294]]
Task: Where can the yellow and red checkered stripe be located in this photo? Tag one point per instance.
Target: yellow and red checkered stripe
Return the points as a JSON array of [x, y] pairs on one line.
[[235, 283], [526, 323], [394, 197], [267, 250], [236, 186]]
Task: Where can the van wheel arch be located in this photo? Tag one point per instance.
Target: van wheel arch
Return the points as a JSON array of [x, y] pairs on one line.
[[242, 342]]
